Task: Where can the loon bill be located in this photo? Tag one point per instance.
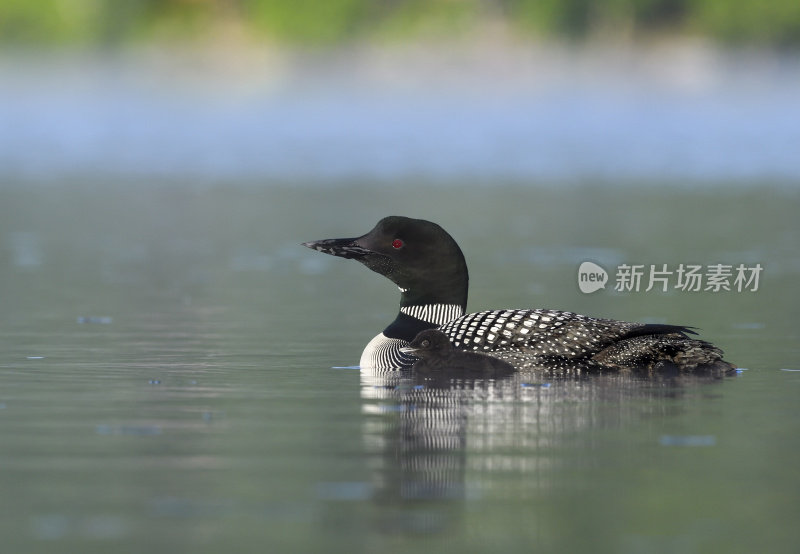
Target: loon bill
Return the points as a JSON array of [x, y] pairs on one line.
[[428, 267]]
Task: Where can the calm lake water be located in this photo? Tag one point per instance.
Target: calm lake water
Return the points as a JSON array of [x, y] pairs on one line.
[[174, 376]]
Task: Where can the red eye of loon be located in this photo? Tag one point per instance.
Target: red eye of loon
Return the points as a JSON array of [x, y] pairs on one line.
[[397, 244]]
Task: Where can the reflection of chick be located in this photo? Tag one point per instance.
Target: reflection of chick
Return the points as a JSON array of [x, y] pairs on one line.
[[436, 353]]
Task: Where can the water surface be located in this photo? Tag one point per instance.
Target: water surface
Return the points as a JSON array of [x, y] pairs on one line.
[[167, 360]]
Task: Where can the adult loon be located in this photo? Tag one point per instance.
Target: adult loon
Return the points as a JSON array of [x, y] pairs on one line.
[[428, 267], [436, 354]]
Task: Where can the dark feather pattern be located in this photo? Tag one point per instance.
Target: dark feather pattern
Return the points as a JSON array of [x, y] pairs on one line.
[[542, 332], [552, 338]]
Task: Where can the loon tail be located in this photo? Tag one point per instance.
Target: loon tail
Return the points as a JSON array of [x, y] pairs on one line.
[[659, 329], [664, 348]]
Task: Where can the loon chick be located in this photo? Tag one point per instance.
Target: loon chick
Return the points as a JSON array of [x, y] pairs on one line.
[[437, 354], [428, 267]]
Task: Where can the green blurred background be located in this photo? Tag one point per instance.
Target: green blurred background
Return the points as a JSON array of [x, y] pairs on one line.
[[104, 22]]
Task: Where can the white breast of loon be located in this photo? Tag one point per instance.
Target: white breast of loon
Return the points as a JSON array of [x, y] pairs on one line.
[[383, 353]]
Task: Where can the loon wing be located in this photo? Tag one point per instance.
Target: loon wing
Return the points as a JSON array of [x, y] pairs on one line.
[[547, 333]]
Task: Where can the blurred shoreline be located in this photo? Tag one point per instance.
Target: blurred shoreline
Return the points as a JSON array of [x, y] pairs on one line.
[[490, 109], [494, 60], [333, 23]]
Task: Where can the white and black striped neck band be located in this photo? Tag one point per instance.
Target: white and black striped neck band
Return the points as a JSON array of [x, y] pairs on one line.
[[434, 313]]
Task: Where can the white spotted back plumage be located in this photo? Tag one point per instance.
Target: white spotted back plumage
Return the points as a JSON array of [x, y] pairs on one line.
[[540, 332]]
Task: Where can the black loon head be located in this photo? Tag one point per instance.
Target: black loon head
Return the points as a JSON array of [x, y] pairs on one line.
[[420, 257], [429, 343]]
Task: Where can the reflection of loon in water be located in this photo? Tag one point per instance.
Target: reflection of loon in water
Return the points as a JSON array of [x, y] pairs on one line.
[[437, 354], [435, 442], [424, 261]]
